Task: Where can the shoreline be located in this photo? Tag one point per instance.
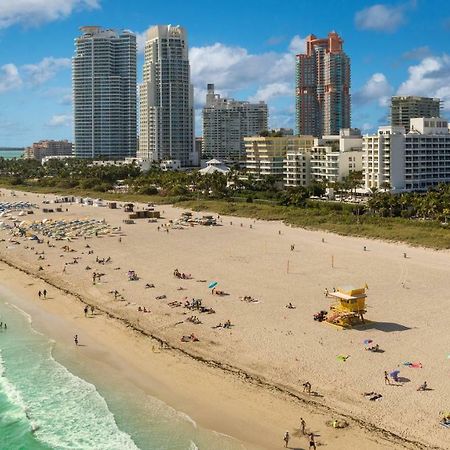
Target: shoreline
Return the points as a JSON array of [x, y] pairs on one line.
[[243, 376], [240, 382], [262, 352]]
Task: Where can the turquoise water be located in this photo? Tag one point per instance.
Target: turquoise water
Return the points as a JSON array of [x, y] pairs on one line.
[[44, 405], [10, 154]]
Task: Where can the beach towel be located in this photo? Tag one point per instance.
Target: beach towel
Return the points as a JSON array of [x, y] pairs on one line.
[[342, 357]]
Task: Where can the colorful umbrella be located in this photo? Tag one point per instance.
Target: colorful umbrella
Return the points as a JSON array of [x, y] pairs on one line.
[[394, 373], [367, 341], [213, 284]]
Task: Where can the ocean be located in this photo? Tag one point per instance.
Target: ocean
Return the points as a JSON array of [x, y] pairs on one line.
[[51, 400], [9, 154]]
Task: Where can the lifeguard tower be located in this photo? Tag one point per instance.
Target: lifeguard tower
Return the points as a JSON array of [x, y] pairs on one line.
[[348, 307]]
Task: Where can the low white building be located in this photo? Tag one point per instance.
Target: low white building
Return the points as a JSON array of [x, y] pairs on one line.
[[170, 164], [329, 160], [413, 161], [143, 164], [46, 159], [214, 165]]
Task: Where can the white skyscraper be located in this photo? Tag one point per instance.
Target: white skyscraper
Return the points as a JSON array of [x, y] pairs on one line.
[[104, 94], [166, 98]]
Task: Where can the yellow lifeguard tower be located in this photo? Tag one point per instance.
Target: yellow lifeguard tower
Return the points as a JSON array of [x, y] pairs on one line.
[[348, 307]]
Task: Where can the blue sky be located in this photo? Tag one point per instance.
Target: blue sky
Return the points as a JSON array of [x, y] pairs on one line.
[[246, 48]]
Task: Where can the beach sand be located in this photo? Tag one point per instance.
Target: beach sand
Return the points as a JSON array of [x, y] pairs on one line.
[[247, 381]]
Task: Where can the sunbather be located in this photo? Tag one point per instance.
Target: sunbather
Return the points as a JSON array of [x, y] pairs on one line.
[[423, 387]]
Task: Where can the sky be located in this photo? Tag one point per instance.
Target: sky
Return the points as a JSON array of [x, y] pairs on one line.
[[246, 48]]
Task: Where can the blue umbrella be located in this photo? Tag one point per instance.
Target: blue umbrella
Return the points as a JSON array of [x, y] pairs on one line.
[[394, 373], [367, 341], [213, 284]]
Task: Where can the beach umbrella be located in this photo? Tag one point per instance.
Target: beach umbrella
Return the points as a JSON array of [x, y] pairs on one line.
[[212, 285], [367, 341], [394, 373]]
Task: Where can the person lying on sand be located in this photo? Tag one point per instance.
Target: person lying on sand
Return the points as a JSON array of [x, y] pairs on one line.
[[149, 285], [290, 306], [220, 293], [191, 338], [249, 299]]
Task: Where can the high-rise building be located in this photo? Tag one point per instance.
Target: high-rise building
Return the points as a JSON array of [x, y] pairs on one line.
[[41, 149], [323, 87], [226, 122], [404, 108], [166, 98], [104, 94]]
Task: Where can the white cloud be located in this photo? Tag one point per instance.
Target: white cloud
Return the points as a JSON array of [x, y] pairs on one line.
[[269, 74], [140, 41], [381, 18], [430, 78], [45, 70], [9, 78], [36, 12], [61, 120], [418, 53], [377, 88], [282, 117], [272, 90], [297, 45]]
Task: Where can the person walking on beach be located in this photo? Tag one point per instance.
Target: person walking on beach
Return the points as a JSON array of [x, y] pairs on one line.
[[302, 425], [75, 339], [85, 311], [45, 293], [386, 378], [92, 310], [312, 442], [286, 438]]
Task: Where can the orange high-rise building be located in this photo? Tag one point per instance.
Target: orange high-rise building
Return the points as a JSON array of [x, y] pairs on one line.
[[323, 87]]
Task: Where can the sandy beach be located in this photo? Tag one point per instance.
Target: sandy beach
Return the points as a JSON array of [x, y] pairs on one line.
[[246, 381]]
